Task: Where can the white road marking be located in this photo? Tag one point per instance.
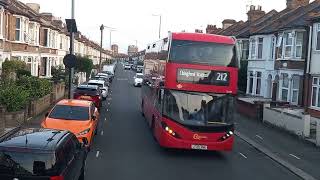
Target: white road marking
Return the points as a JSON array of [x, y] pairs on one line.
[[259, 137], [107, 109], [97, 154], [105, 119], [101, 133], [243, 155], [295, 156]]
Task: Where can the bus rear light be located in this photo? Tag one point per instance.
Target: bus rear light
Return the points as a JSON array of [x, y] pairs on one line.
[[56, 178], [226, 136], [169, 130]]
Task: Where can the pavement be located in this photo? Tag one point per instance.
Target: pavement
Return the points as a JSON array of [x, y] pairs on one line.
[[125, 149], [287, 147]]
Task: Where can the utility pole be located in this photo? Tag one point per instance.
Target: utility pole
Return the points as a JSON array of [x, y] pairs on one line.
[[101, 41], [71, 52]]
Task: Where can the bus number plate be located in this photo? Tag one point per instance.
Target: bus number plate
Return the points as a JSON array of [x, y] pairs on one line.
[[200, 147]]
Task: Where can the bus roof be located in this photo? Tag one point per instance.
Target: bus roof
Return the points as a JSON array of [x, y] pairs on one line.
[[203, 38]]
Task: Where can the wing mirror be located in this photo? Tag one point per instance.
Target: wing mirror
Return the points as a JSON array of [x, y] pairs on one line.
[[47, 114], [94, 117]]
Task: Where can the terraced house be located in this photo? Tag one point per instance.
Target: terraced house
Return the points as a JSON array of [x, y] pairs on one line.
[[39, 39]]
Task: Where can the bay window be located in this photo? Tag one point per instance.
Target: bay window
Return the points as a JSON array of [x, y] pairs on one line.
[[315, 102], [299, 41], [285, 87], [18, 29], [288, 43], [273, 45], [295, 89], [258, 85]]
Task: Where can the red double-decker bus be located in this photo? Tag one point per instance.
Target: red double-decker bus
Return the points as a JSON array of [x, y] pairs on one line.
[[188, 92]]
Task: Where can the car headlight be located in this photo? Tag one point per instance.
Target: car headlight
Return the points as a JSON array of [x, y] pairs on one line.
[[86, 131]]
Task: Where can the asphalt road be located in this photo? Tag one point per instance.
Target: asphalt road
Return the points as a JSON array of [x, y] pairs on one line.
[[124, 148]]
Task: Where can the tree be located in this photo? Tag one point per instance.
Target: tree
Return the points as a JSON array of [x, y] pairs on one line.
[[84, 64]]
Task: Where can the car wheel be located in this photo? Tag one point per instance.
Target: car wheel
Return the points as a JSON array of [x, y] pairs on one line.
[[81, 177]]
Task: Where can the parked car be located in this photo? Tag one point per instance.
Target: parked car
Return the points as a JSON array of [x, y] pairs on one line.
[[102, 85], [127, 66], [139, 69], [78, 116], [89, 92], [41, 154], [106, 79], [137, 79], [107, 73]]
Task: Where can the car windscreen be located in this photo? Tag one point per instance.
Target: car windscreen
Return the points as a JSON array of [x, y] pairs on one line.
[[26, 163], [66, 112], [198, 108], [86, 91], [96, 84], [192, 52]]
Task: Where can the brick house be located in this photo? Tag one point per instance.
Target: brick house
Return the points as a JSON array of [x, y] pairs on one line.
[[39, 39]]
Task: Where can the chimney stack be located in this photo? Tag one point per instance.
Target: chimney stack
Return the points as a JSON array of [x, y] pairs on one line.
[[212, 29], [34, 6], [292, 4], [254, 14], [227, 23], [48, 16]]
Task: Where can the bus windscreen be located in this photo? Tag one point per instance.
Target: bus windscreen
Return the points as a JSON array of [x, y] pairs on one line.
[[193, 52]]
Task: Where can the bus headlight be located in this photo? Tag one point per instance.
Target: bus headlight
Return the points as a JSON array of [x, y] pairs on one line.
[[226, 136], [169, 130]]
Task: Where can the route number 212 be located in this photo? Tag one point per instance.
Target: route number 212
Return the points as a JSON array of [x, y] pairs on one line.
[[222, 76]]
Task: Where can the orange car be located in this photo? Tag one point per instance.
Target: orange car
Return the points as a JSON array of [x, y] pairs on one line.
[[78, 116]]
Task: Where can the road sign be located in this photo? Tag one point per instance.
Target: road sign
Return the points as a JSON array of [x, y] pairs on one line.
[[70, 60]]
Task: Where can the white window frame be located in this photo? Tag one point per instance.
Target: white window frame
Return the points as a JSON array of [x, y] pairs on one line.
[[294, 89], [285, 45], [298, 45], [317, 33], [253, 48], [251, 77], [258, 79], [1, 22], [20, 29], [285, 88], [273, 48], [260, 45], [315, 86]]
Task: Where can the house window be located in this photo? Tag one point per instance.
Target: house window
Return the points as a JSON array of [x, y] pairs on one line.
[[245, 50], [273, 45], [250, 82], [31, 33], [46, 38], [18, 29], [299, 41], [1, 21], [61, 41], [315, 92], [295, 89], [318, 37], [258, 85], [288, 44], [253, 49], [285, 87], [260, 48]]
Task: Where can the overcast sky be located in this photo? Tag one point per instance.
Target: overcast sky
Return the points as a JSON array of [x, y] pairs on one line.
[[134, 21]]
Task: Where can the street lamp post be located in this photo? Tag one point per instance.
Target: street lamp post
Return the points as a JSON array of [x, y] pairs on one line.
[[160, 19], [101, 42], [71, 52]]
